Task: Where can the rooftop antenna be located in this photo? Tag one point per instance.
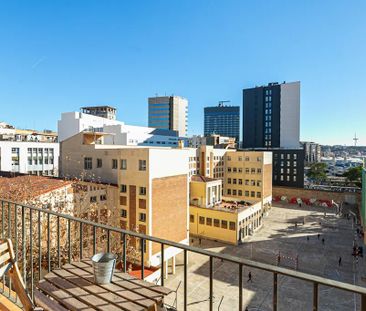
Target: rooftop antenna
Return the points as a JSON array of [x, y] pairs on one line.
[[355, 139], [222, 102]]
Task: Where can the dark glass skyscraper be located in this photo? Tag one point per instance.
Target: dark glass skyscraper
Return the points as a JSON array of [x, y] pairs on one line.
[[222, 120]]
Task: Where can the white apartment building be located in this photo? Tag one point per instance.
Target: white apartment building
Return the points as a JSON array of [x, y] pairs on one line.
[[72, 123], [29, 157]]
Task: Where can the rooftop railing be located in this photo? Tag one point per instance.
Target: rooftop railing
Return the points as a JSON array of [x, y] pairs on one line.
[[44, 240]]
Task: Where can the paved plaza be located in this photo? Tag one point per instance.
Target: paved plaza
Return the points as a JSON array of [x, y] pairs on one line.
[[283, 231]]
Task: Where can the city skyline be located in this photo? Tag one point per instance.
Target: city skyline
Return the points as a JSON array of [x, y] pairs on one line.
[[215, 48]]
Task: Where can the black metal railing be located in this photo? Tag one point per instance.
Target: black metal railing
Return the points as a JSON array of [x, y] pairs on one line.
[[32, 261]]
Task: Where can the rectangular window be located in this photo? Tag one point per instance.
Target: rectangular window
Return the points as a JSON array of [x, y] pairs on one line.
[[123, 213], [252, 194], [103, 197], [247, 170], [259, 195], [99, 163], [202, 220], [234, 169], [234, 181], [229, 169], [123, 164], [142, 191], [142, 203], [229, 158], [123, 200], [259, 170], [191, 218], [232, 225], [142, 165], [216, 223], [93, 199], [224, 224], [252, 171], [247, 193], [229, 191], [209, 221], [114, 164], [240, 193], [142, 217], [234, 192], [240, 181], [88, 164], [123, 188]]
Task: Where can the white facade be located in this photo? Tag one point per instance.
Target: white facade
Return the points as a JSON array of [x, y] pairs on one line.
[[29, 157], [290, 115], [72, 123]]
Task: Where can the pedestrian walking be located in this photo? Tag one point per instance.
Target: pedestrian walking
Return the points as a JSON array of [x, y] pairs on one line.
[[307, 238], [340, 261], [323, 241], [318, 236], [250, 277], [246, 309]]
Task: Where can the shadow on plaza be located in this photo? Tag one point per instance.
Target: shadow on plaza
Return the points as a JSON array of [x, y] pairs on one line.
[[300, 241]]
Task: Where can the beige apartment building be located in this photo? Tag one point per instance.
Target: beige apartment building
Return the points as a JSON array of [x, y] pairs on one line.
[[152, 186]]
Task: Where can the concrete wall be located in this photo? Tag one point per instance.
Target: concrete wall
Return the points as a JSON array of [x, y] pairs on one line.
[[316, 194]]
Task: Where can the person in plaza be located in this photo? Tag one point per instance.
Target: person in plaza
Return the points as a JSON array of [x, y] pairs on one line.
[[307, 238], [323, 241], [340, 261], [250, 277], [318, 236]]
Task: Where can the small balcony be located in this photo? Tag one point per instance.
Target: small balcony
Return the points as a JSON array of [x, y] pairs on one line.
[[45, 241]]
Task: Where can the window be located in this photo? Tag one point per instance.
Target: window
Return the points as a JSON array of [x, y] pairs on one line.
[[247, 170], [209, 221], [259, 171], [240, 181], [247, 193], [123, 164], [246, 158], [240, 158], [229, 191], [234, 192], [224, 224], [191, 218], [142, 165], [232, 225], [202, 220], [142, 217], [247, 182], [142, 191], [103, 197], [88, 164], [294, 178], [252, 171], [252, 182], [234, 169], [123, 188], [240, 193], [93, 199], [114, 164], [99, 163], [259, 183], [229, 169], [229, 158], [229, 180], [142, 203], [216, 223], [123, 213], [123, 200], [252, 194], [259, 195], [234, 181], [240, 170]]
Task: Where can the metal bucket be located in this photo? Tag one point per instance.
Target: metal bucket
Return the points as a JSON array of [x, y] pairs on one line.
[[103, 264]]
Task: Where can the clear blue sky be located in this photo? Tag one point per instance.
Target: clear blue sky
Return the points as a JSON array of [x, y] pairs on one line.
[[57, 56]]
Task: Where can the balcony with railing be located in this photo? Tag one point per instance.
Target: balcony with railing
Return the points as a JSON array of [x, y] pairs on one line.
[[44, 241]]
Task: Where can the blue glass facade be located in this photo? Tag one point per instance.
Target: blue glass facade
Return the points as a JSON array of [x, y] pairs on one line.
[[222, 120], [159, 115]]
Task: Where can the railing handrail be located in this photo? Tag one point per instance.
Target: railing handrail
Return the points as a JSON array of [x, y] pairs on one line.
[[234, 259]]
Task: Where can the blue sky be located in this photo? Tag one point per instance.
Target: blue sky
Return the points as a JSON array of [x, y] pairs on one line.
[[57, 56]]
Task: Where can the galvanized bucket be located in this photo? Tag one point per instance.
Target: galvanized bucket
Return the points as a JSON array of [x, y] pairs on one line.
[[103, 264]]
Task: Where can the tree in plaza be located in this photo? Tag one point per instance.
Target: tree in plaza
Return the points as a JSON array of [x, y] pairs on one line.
[[317, 171], [354, 174]]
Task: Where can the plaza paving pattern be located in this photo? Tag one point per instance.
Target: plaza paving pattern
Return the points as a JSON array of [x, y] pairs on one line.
[[279, 233]]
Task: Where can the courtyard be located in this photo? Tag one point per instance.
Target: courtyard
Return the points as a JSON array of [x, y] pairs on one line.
[[292, 232]]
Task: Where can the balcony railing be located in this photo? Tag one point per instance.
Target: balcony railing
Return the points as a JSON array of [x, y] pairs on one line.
[[67, 238]]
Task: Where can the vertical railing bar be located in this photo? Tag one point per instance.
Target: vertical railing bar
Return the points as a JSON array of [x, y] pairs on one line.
[[142, 258], [94, 240], [24, 248], [2, 220], [9, 236], [274, 291], [162, 276], [211, 283], [81, 241], [124, 255], [108, 241], [16, 231], [48, 243], [315, 297], [58, 242], [39, 247], [185, 280], [31, 251], [240, 287], [69, 238]]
